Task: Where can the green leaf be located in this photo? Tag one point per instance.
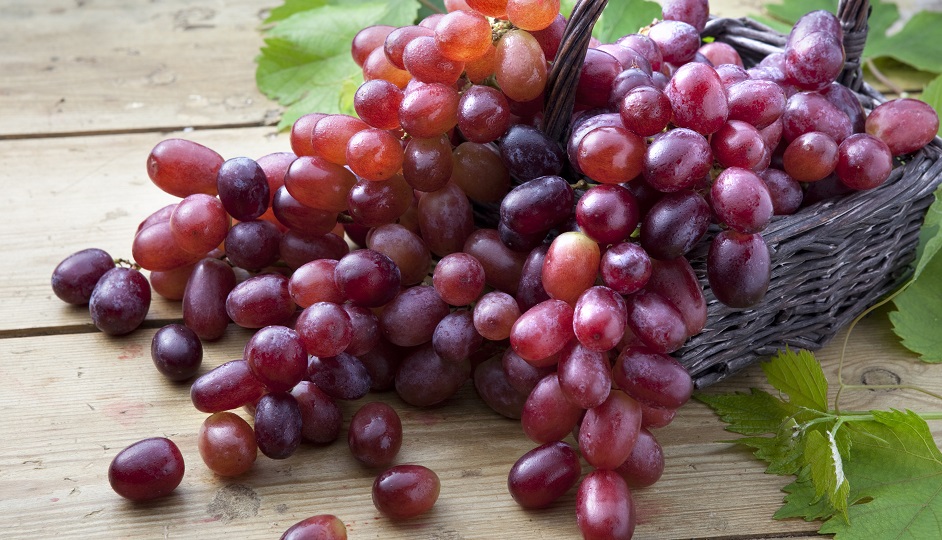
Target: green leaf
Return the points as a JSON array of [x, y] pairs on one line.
[[799, 376], [896, 480], [910, 45], [427, 8], [826, 468], [625, 17], [932, 94], [290, 7], [784, 452], [566, 7], [790, 11], [918, 315], [310, 70], [801, 502], [756, 413]]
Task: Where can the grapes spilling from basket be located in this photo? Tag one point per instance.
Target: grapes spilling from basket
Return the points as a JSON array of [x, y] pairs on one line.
[[553, 274]]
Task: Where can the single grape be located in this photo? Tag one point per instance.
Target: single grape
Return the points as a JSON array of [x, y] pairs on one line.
[[405, 491], [604, 507], [176, 351], [905, 125], [277, 425], [320, 527], [226, 443], [120, 301], [544, 474], [74, 279], [375, 434], [181, 167], [495, 390], [739, 268], [147, 469], [227, 386]]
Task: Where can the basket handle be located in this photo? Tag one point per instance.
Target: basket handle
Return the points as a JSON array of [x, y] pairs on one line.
[[564, 75], [853, 15]]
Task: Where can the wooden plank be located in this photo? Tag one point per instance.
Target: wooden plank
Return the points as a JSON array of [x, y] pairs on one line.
[[72, 193], [73, 401], [117, 65]]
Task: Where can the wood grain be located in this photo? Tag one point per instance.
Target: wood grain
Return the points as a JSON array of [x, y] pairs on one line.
[[102, 66]]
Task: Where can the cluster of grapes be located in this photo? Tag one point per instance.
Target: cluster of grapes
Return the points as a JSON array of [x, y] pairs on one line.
[[561, 301]]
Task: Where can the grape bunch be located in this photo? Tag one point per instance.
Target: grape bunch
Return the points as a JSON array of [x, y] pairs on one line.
[[440, 235]]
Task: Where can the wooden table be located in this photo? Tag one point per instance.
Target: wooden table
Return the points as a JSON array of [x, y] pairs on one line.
[[87, 87]]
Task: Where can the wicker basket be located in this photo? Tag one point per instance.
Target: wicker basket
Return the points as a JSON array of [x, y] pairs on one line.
[[831, 260]]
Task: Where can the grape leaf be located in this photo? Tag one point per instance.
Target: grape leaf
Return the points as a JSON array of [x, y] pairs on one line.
[[290, 7], [896, 478], [932, 94], [305, 63], [918, 315], [625, 17], [826, 469], [865, 475], [799, 376], [749, 414], [910, 45]]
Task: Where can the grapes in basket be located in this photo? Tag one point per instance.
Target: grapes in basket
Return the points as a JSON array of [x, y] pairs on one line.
[[445, 234]]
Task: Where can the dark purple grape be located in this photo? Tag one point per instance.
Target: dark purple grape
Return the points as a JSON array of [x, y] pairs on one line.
[[340, 377], [411, 317], [368, 278], [455, 338], [253, 245], [424, 379], [530, 291], [381, 363], [177, 352], [75, 277], [120, 301], [523, 375], [204, 298], [544, 474], [147, 469], [739, 268], [538, 205], [675, 224], [321, 417], [243, 188], [278, 425], [528, 153], [495, 389], [678, 41]]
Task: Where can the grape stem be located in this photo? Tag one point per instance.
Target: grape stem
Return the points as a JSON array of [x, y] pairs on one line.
[[878, 75], [127, 263], [430, 5]]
